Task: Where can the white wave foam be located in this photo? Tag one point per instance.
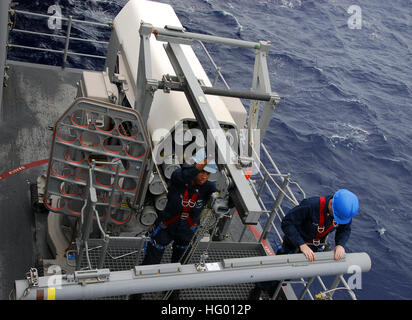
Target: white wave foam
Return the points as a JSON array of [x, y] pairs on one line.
[[228, 14], [349, 134], [381, 231], [225, 13], [291, 3]]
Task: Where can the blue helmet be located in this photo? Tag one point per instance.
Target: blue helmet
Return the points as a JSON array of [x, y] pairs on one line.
[[345, 206], [211, 166]]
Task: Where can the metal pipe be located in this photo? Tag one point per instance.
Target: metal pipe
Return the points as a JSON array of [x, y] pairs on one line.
[[277, 203], [4, 34], [216, 77], [214, 65], [86, 55], [308, 284], [278, 287], [58, 36], [206, 38], [219, 92], [334, 285], [86, 221], [103, 252], [236, 94], [66, 46], [34, 48], [115, 183], [278, 171], [167, 277], [262, 185], [267, 214], [107, 25], [56, 51]]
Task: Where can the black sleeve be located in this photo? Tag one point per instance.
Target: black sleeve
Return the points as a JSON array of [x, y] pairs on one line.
[[294, 218], [342, 234]]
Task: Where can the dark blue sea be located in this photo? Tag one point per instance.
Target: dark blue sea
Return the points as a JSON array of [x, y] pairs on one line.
[[345, 116]]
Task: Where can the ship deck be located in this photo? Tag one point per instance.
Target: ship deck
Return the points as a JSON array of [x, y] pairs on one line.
[[34, 98]]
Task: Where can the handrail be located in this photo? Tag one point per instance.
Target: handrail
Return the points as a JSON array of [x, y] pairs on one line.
[[67, 37], [108, 24]]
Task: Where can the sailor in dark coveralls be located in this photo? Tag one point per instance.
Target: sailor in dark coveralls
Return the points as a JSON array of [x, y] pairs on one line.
[[188, 194], [307, 225]]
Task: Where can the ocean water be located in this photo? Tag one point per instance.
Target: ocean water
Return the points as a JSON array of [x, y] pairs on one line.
[[345, 116]]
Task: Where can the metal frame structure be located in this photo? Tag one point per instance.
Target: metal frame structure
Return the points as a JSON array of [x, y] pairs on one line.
[[67, 37], [187, 82]]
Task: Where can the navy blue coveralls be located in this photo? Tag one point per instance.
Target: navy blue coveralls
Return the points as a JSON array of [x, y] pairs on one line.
[[180, 230], [300, 226]]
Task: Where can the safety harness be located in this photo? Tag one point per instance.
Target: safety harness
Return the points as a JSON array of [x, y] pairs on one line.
[[321, 226], [187, 205]]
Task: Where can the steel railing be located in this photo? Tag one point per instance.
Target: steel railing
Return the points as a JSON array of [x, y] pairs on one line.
[[275, 216], [276, 212], [67, 37]]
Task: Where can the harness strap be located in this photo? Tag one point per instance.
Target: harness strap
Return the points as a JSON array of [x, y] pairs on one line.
[[321, 226], [175, 218], [187, 206]]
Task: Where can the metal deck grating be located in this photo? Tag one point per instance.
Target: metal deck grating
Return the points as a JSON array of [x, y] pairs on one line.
[[123, 256]]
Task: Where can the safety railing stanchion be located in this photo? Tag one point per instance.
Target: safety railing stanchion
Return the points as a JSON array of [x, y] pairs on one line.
[[351, 293], [67, 37], [277, 203], [334, 285], [308, 284], [278, 287], [262, 185], [66, 46]]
